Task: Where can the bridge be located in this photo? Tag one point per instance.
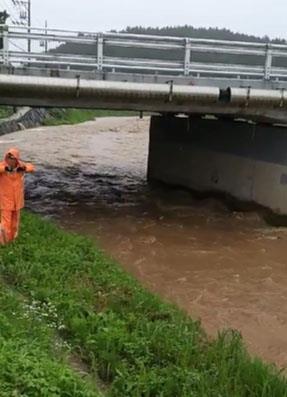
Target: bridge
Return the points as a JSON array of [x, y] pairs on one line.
[[143, 72], [218, 103]]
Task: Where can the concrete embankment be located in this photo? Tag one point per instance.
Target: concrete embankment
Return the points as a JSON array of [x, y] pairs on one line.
[[242, 160], [23, 118]]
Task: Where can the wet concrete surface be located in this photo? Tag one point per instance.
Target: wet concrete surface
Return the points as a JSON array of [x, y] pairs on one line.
[[227, 268]]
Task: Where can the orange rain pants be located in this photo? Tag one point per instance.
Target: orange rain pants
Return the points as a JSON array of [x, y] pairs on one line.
[[11, 197], [10, 221]]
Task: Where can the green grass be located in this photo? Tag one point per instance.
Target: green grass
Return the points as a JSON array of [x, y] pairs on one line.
[[6, 111], [33, 362], [135, 344], [76, 116]]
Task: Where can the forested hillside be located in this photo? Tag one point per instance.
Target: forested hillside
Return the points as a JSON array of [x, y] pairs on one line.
[[180, 31]]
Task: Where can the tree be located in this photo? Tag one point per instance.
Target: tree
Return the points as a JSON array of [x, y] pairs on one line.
[[3, 17]]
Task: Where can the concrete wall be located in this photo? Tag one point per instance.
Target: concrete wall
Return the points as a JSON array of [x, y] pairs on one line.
[[246, 161], [23, 118]]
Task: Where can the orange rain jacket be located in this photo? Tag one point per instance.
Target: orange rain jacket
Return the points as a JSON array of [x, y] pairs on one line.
[[12, 183]]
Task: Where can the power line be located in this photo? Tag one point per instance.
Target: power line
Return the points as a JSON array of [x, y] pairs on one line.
[[27, 4], [16, 45], [21, 14], [14, 12], [24, 8], [7, 6], [15, 17], [11, 12]]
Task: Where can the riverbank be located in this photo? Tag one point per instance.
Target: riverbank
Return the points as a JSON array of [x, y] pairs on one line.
[[130, 340], [76, 116], [5, 112], [226, 268], [26, 118]]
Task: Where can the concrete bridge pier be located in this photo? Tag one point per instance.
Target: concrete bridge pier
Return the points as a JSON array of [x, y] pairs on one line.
[[243, 160]]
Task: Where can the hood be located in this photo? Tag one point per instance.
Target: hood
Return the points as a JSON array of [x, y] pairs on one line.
[[15, 152]]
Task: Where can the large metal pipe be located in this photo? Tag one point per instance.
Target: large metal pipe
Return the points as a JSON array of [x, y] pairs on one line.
[[77, 89], [250, 97], [69, 92]]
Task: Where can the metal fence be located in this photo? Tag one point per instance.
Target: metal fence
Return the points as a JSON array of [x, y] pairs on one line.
[[146, 54]]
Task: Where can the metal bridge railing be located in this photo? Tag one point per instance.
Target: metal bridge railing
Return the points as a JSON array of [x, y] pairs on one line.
[[134, 53]]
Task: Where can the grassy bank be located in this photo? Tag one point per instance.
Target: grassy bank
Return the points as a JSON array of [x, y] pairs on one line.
[[6, 111], [132, 342], [33, 360], [76, 116]]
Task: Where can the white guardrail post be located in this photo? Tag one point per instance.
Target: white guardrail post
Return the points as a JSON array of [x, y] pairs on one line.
[[100, 51], [187, 57], [212, 64], [268, 62]]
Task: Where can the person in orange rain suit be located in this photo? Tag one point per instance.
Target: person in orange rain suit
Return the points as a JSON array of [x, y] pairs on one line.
[[12, 171]]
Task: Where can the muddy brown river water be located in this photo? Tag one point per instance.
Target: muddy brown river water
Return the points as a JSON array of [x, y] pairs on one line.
[[227, 268]]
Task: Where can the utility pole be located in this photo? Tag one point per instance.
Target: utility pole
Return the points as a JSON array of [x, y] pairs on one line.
[[46, 32], [29, 23], [25, 11]]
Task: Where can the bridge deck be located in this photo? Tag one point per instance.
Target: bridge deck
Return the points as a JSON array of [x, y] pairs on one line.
[[145, 57], [141, 72]]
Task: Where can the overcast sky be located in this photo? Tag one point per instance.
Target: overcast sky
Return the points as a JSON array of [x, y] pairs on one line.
[[257, 17]]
